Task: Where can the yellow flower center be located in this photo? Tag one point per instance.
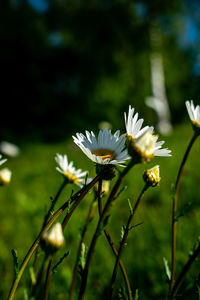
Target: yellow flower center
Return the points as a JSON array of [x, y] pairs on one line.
[[73, 179], [196, 124], [144, 145], [104, 153]]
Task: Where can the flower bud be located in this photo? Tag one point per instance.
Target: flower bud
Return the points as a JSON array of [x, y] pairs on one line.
[[5, 176], [152, 176], [105, 187], [53, 239]]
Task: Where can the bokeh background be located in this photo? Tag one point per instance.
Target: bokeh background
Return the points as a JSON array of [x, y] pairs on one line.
[[67, 66]]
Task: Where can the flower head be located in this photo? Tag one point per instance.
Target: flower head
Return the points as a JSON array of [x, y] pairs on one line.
[[145, 147], [133, 125], [194, 114], [9, 149], [152, 176], [107, 149], [3, 160], [5, 176], [53, 239], [68, 171]]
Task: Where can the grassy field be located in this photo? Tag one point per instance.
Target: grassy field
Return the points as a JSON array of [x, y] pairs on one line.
[[35, 180]]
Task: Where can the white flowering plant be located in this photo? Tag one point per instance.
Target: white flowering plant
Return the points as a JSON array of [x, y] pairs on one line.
[[114, 156]]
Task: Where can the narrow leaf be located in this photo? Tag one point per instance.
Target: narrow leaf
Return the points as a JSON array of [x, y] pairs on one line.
[[130, 206], [32, 275], [167, 270], [15, 262], [54, 270], [136, 295]]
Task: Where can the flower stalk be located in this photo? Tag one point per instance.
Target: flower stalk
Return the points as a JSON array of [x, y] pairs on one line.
[[78, 197], [125, 235], [111, 243], [99, 225], [88, 219], [184, 272], [174, 210]]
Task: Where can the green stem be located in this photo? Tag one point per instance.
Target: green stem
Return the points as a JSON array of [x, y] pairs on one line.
[[127, 228], [78, 197], [32, 250], [46, 218], [184, 272], [76, 200], [174, 210], [97, 232], [111, 243], [75, 271], [40, 276], [48, 277], [50, 211], [100, 207]]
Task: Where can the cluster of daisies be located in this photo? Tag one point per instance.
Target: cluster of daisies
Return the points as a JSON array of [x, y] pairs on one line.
[[138, 144]]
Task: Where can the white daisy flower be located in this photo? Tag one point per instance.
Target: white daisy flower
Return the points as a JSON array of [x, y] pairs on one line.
[[3, 160], [68, 170], [133, 124], [194, 113], [107, 149], [145, 147]]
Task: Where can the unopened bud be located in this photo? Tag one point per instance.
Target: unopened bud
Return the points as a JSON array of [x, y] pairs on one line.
[[5, 176], [53, 239], [105, 187], [152, 176]]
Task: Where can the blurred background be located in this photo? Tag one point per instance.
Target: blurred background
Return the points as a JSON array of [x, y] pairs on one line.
[[67, 66]]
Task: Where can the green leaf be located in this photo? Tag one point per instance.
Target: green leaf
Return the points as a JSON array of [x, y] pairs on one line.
[[130, 206], [136, 295], [167, 270], [122, 232], [32, 275], [25, 294], [83, 256], [122, 190], [15, 262], [54, 270], [122, 294]]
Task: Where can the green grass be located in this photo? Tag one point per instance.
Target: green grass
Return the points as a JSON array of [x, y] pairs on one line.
[[35, 180]]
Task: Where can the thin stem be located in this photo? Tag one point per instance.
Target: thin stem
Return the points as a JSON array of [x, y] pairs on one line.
[[77, 198], [40, 275], [174, 210], [75, 271], [97, 232], [100, 207], [64, 224], [32, 250], [184, 272], [46, 218], [48, 277], [53, 203], [111, 243], [123, 241]]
